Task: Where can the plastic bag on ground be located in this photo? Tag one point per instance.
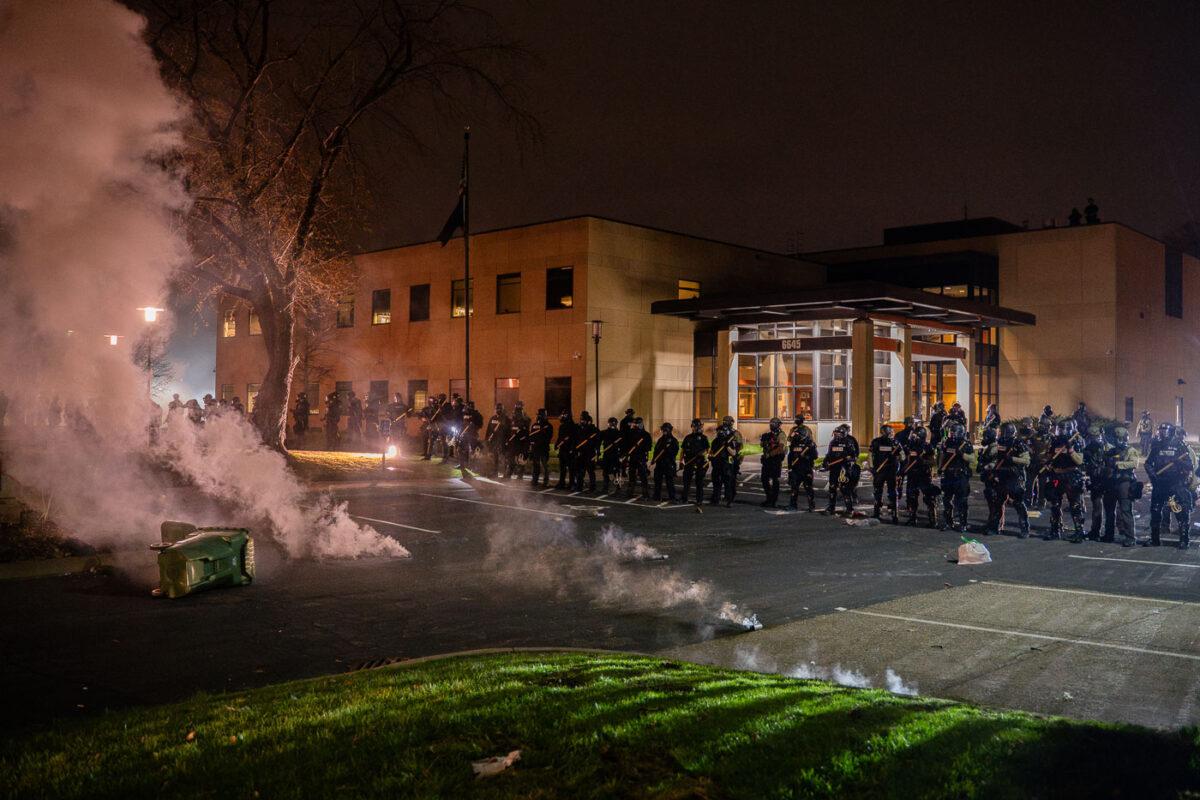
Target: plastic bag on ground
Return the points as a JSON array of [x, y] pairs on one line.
[[972, 551]]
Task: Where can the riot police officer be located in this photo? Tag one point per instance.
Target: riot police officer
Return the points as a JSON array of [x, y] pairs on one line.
[[540, 433], [919, 462], [694, 455], [1002, 465], [1064, 471], [516, 447], [587, 440], [723, 454], [841, 460], [1169, 465], [774, 448], [495, 437], [937, 422], [1121, 488], [637, 444], [610, 463], [1097, 476], [956, 460], [802, 454], [885, 465], [666, 450], [565, 443]]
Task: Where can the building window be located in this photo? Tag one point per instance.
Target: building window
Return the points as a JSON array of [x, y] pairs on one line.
[[229, 324], [418, 303], [508, 392], [1173, 274], [418, 394], [560, 287], [558, 396], [833, 397], [226, 392], [314, 398], [508, 293], [1128, 410], [381, 307], [252, 396], [461, 297], [345, 311], [688, 290], [458, 386], [379, 392], [1178, 412], [747, 371], [704, 375], [255, 324]]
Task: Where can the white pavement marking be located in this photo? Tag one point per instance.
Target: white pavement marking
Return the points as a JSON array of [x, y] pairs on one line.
[[1154, 600], [1136, 561], [1041, 636], [559, 514], [397, 524]]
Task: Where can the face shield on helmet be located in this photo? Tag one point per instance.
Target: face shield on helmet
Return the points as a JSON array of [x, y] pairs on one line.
[[776, 423], [1166, 431], [1066, 427], [1120, 435], [920, 434], [886, 431], [1007, 434], [954, 432]]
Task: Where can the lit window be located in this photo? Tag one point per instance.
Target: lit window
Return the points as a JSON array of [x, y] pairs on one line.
[[381, 306], [229, 324], [345, 312], [255, 324], [226, 392], [251, 396], [508, 293], [460, 298], [688, 289], [560, 287]]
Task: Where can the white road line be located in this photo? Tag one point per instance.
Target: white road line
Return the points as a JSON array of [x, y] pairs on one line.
[[1136, 561], [1040, 636], [559, 514], [1089, 593], [397, 524]]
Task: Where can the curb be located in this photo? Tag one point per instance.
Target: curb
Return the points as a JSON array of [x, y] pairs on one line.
[[54, 567]]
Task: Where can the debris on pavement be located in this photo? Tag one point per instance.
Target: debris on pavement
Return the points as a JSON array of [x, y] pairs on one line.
[[862, 522], [972, 551], [495, 765], [751, 623]]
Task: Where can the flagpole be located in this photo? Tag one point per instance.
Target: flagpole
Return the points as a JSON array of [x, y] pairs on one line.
[[467, 293]]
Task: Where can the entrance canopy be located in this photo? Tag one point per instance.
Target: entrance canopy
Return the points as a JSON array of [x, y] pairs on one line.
[[881, 301]]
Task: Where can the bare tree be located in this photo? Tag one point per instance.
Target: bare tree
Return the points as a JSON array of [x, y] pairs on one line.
[[279, 88]]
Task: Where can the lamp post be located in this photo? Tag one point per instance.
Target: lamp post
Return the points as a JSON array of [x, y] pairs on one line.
[[596, 324], [151, 316]]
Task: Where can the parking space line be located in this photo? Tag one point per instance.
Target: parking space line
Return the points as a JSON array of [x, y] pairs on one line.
[[559, 514], [1090, 593], [1040, 636], [397, 524], [1136, 561]]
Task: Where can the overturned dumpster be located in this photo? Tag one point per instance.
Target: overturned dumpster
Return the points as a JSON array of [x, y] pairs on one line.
[[191, 559]]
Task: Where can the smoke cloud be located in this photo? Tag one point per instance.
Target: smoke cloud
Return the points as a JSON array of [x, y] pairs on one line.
[[89, 234], [753, 660]]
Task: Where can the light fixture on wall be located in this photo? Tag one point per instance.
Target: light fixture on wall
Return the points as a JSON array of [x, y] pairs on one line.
[[1181, 381]]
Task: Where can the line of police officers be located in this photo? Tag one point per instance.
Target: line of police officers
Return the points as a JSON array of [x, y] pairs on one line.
[[1048, 465]]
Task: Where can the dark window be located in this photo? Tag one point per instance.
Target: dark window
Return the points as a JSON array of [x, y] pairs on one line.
[[558, 396], [226, 392], [508, 293], [379, 391], [314, 398], [381, 306], [462, 297], [1128, 410], [508, 392], [345, 314], [418, 303], [1173, 269], [418, 394], [704, 372], [560, 287]]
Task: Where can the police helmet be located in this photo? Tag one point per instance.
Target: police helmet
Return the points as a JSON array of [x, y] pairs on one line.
[[1120, 435], [584, 416], [541, 412], [566, 415], [886, 430], [302, 395], [988, 436], [776, 422], [908, 422], [1007, 433], [726, 420], [1095, 430], [697, 424], [1165, 431], [613, 421], [919, 433], [842, 430], [1047, 410], [955, 431], [638, 421], [1066, 427], [799, 418], [519, 403], [499, 406], [629, 412], [666, 426], [1180, 433]]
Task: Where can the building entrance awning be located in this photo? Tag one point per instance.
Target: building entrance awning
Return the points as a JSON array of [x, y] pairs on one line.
[[874, 299]]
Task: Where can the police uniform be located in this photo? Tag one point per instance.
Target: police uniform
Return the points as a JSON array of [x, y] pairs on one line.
[[885, 464], [955, 460], [1121, 488], [587, 440], [694, 455], [1002, 467], [802, 454], [841, 459], [774, 448], [516, 447], [666, 450], [723, 453], [917, 472], [540, 434], [1169, 465], [636, 445], [496, 436], [1064, 479], [610, 461], [565, 443]]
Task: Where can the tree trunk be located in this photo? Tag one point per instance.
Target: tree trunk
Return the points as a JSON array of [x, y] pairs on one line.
[[271, 406]]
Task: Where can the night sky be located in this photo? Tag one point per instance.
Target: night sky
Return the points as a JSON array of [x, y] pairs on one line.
[[806, 126], [803, 126]]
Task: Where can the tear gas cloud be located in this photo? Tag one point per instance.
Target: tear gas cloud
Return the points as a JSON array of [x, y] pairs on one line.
[[553, 555], [89, 232], [754, 660]]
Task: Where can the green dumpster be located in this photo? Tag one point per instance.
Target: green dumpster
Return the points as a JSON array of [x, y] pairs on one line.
[[191, 558]]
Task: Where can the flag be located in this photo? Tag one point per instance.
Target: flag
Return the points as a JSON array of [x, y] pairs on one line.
[[455, 220]]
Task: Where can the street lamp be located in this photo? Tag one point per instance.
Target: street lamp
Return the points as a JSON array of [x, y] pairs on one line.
[[596, 324], [151, 316]]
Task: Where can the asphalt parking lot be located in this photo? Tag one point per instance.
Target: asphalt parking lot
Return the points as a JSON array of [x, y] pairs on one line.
[[1090, 631]]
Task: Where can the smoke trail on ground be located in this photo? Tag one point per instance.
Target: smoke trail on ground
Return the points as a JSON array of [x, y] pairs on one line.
[[553, 555], [753, 659], [88, 235]]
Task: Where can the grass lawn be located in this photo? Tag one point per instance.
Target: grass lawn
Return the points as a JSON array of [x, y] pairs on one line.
[[587, 726]]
